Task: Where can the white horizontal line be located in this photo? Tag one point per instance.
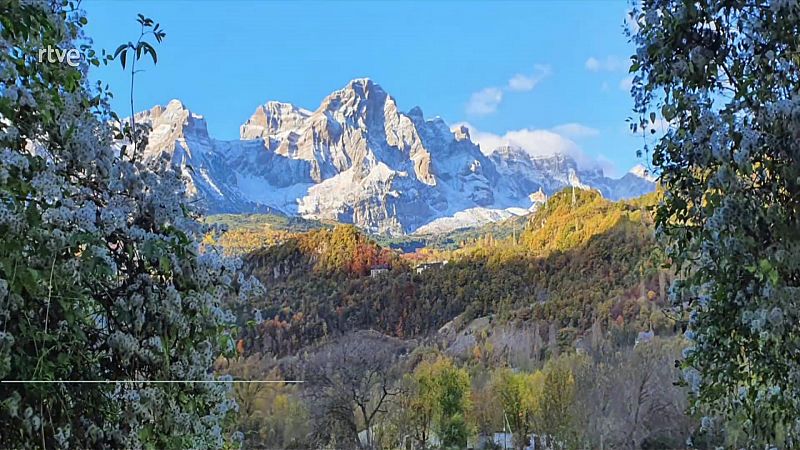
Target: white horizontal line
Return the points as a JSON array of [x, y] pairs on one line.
[[146, 381]]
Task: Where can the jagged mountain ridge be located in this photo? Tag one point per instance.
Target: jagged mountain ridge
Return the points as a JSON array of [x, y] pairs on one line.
[[359, 159]]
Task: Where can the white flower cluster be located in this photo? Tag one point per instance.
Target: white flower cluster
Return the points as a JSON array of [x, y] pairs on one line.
[[115, 249], [726, 78]]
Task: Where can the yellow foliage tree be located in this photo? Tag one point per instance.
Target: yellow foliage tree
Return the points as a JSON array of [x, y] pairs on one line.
[[557, 400], [439, 401], [520, 395]]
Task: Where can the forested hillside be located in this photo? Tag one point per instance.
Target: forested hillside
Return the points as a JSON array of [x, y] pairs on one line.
[[537, 320], [249, 232], [575, 263]]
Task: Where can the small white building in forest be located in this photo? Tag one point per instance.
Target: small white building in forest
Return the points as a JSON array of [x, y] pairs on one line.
[[431, 265], [375, 271]]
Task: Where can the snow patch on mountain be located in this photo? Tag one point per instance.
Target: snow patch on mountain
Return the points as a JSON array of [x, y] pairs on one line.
[[643, 172], [469, 218]]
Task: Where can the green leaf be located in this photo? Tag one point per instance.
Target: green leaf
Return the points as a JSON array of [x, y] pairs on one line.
[[119, 50], [163, 263], [149, 49], [773, 276], [666, 112]]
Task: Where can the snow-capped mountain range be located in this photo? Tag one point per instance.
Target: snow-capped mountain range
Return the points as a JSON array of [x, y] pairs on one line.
[[359, 159]]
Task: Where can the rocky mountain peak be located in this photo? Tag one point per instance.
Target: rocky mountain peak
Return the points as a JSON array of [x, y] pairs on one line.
[[462, 133], [510, 152], [415, 113], [176, 104], [273, 118], [173, 124], [359, 98], [358, 159], [174, 111], [364, 87], [357, 89]]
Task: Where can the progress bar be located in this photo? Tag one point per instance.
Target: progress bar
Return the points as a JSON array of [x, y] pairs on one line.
[[147, 381]]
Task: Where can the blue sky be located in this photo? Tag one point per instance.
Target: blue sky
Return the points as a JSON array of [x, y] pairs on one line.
[[549, 75]]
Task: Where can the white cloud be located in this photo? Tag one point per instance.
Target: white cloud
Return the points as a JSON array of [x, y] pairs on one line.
[[537, 142], [592, 64], [609, 64], [484, 101], [541, 142], [608, 166], [524, 83], [520, 82], [576, 130], [626, 83], [487, 100]]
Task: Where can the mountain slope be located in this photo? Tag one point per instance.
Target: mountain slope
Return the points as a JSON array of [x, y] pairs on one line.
[[572, 264], [358, 159]]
